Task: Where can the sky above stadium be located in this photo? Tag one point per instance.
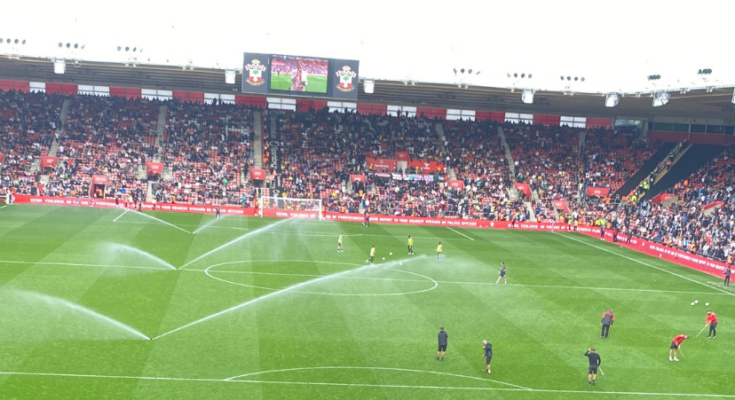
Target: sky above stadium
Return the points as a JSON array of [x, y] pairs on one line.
[[614, 45]]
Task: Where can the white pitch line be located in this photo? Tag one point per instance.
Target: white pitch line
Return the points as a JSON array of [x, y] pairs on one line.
[[255, 300], [120, 216], [366, 385], [3, 207], [647, 264], [162, 221], [377, 369], [82, 265], [259, 230], [456, 231]]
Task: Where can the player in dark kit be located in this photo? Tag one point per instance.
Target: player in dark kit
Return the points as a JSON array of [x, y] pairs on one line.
[[216, 211], [367, 218], [488, 349], [442, 344], [595, 362], [608, 318], [502, 274], [728, 271]]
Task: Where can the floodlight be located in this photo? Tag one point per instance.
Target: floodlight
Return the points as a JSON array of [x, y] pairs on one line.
[[230, 76], [59, 66], [527, 96], [661, 98], [368, 85], [612, 99]]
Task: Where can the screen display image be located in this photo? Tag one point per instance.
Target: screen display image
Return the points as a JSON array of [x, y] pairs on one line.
[[299, 74]]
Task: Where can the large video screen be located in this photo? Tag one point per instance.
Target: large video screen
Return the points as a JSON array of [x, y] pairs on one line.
[[295, 75], [299, 74]]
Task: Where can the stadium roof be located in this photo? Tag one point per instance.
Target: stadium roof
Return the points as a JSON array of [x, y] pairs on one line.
[[614, 46]]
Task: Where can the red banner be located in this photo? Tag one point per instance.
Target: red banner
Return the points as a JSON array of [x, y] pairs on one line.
[[717, 204], [661, 198], [380, 164], [155, 168], [561, 205], [99, 179], [597, 191], [402, 156], [426, 167], [257, 174], [360, 178], [47, 161], [456, 184], [525, 188]]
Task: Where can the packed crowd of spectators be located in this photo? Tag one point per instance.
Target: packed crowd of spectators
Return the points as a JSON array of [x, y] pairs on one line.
[[28, 123], [110, 136], [701, 219], [208, 148]]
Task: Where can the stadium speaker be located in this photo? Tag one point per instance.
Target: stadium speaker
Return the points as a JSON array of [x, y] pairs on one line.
[[368, 86], [59, 66], [612, 99], [230, 76], [527, 96], [661, 98]]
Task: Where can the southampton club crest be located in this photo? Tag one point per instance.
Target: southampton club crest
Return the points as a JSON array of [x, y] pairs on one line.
[[255, 69], [345, 75]]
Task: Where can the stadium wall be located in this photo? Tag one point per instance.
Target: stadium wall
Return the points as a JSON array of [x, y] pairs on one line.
[[683, 258]]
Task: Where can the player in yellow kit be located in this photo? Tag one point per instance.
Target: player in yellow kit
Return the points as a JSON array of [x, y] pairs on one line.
[[339, 244], [439, 251], [372, 254], [410, 245]]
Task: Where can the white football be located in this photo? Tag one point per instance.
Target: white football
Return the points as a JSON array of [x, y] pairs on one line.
[[400, 263], [696, 301], [706, 304], [383, 258], [390, 254], [692, 303]]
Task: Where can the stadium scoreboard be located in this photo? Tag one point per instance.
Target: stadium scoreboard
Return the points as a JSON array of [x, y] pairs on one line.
[[298, 75]]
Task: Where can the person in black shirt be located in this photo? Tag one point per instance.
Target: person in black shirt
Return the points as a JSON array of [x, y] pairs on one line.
[[595, 362], [442, 344], [488, 348]]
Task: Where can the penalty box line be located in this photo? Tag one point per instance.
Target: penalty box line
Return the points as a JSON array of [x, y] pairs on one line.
[[365, 385]]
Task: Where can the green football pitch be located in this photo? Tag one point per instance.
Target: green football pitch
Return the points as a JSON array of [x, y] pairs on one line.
[[317, 83], [99, 303]]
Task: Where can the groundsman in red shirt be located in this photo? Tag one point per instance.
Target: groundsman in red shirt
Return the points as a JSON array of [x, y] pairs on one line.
[[712, 322], [676, 345]]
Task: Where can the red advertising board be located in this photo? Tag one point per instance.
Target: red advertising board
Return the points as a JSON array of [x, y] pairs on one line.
[[597, 191], [110, 203], [456, 184], [402, 156], [355, 177], [257, 174], [48, 161], [155, 168], [99, 179]]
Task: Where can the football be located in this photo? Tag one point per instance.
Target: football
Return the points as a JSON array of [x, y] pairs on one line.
[[383, 258], [390, 254]]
